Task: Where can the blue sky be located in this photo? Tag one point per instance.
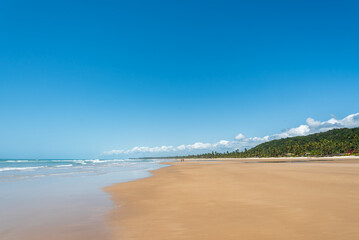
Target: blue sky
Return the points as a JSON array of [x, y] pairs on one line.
[[78, 78]]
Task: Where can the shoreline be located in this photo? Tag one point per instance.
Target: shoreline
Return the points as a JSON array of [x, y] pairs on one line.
[[65, 202], [265, 158], [231, 199]]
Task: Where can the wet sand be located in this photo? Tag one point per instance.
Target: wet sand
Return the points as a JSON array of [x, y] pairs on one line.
[[240, 199], [66, 219]]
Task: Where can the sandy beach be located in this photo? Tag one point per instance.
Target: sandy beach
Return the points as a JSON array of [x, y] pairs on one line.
[[241, 199]]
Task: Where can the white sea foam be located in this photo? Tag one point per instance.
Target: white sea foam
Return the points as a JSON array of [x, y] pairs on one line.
[[16, 170], [67, 165], [94, 160], [19, 168], [14, 161], [79, 161]]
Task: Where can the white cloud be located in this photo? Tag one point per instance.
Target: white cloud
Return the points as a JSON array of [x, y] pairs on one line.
[[350, 121], [141, 150], [311, 126], [298, 131], [240, 136], [258, 139], [221, 145]]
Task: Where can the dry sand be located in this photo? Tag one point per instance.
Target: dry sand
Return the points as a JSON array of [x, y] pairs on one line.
[[240, 200]]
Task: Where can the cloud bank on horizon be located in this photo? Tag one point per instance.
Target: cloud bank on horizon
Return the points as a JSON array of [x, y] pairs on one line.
[[240, 141]]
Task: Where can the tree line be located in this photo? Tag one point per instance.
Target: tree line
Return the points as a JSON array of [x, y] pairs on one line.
[[334, 142]]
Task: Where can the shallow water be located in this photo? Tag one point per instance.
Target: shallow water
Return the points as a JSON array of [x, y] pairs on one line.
[[61, 198]]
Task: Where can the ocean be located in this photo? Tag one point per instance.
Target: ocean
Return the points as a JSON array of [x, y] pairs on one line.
[[61, 198]]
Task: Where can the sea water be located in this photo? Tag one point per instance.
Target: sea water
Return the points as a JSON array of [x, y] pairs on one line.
[[61, 198]]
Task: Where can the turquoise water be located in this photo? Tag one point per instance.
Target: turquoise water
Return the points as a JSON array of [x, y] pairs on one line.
[[21, 169], [63, 196]]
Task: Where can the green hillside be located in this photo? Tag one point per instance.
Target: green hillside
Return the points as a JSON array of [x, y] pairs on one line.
[[333, 142]]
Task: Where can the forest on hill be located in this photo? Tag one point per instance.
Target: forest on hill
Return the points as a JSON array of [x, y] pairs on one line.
[[344, 141]]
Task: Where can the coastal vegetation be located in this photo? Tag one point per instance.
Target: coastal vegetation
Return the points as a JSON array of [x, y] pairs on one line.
[[343, 141]]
